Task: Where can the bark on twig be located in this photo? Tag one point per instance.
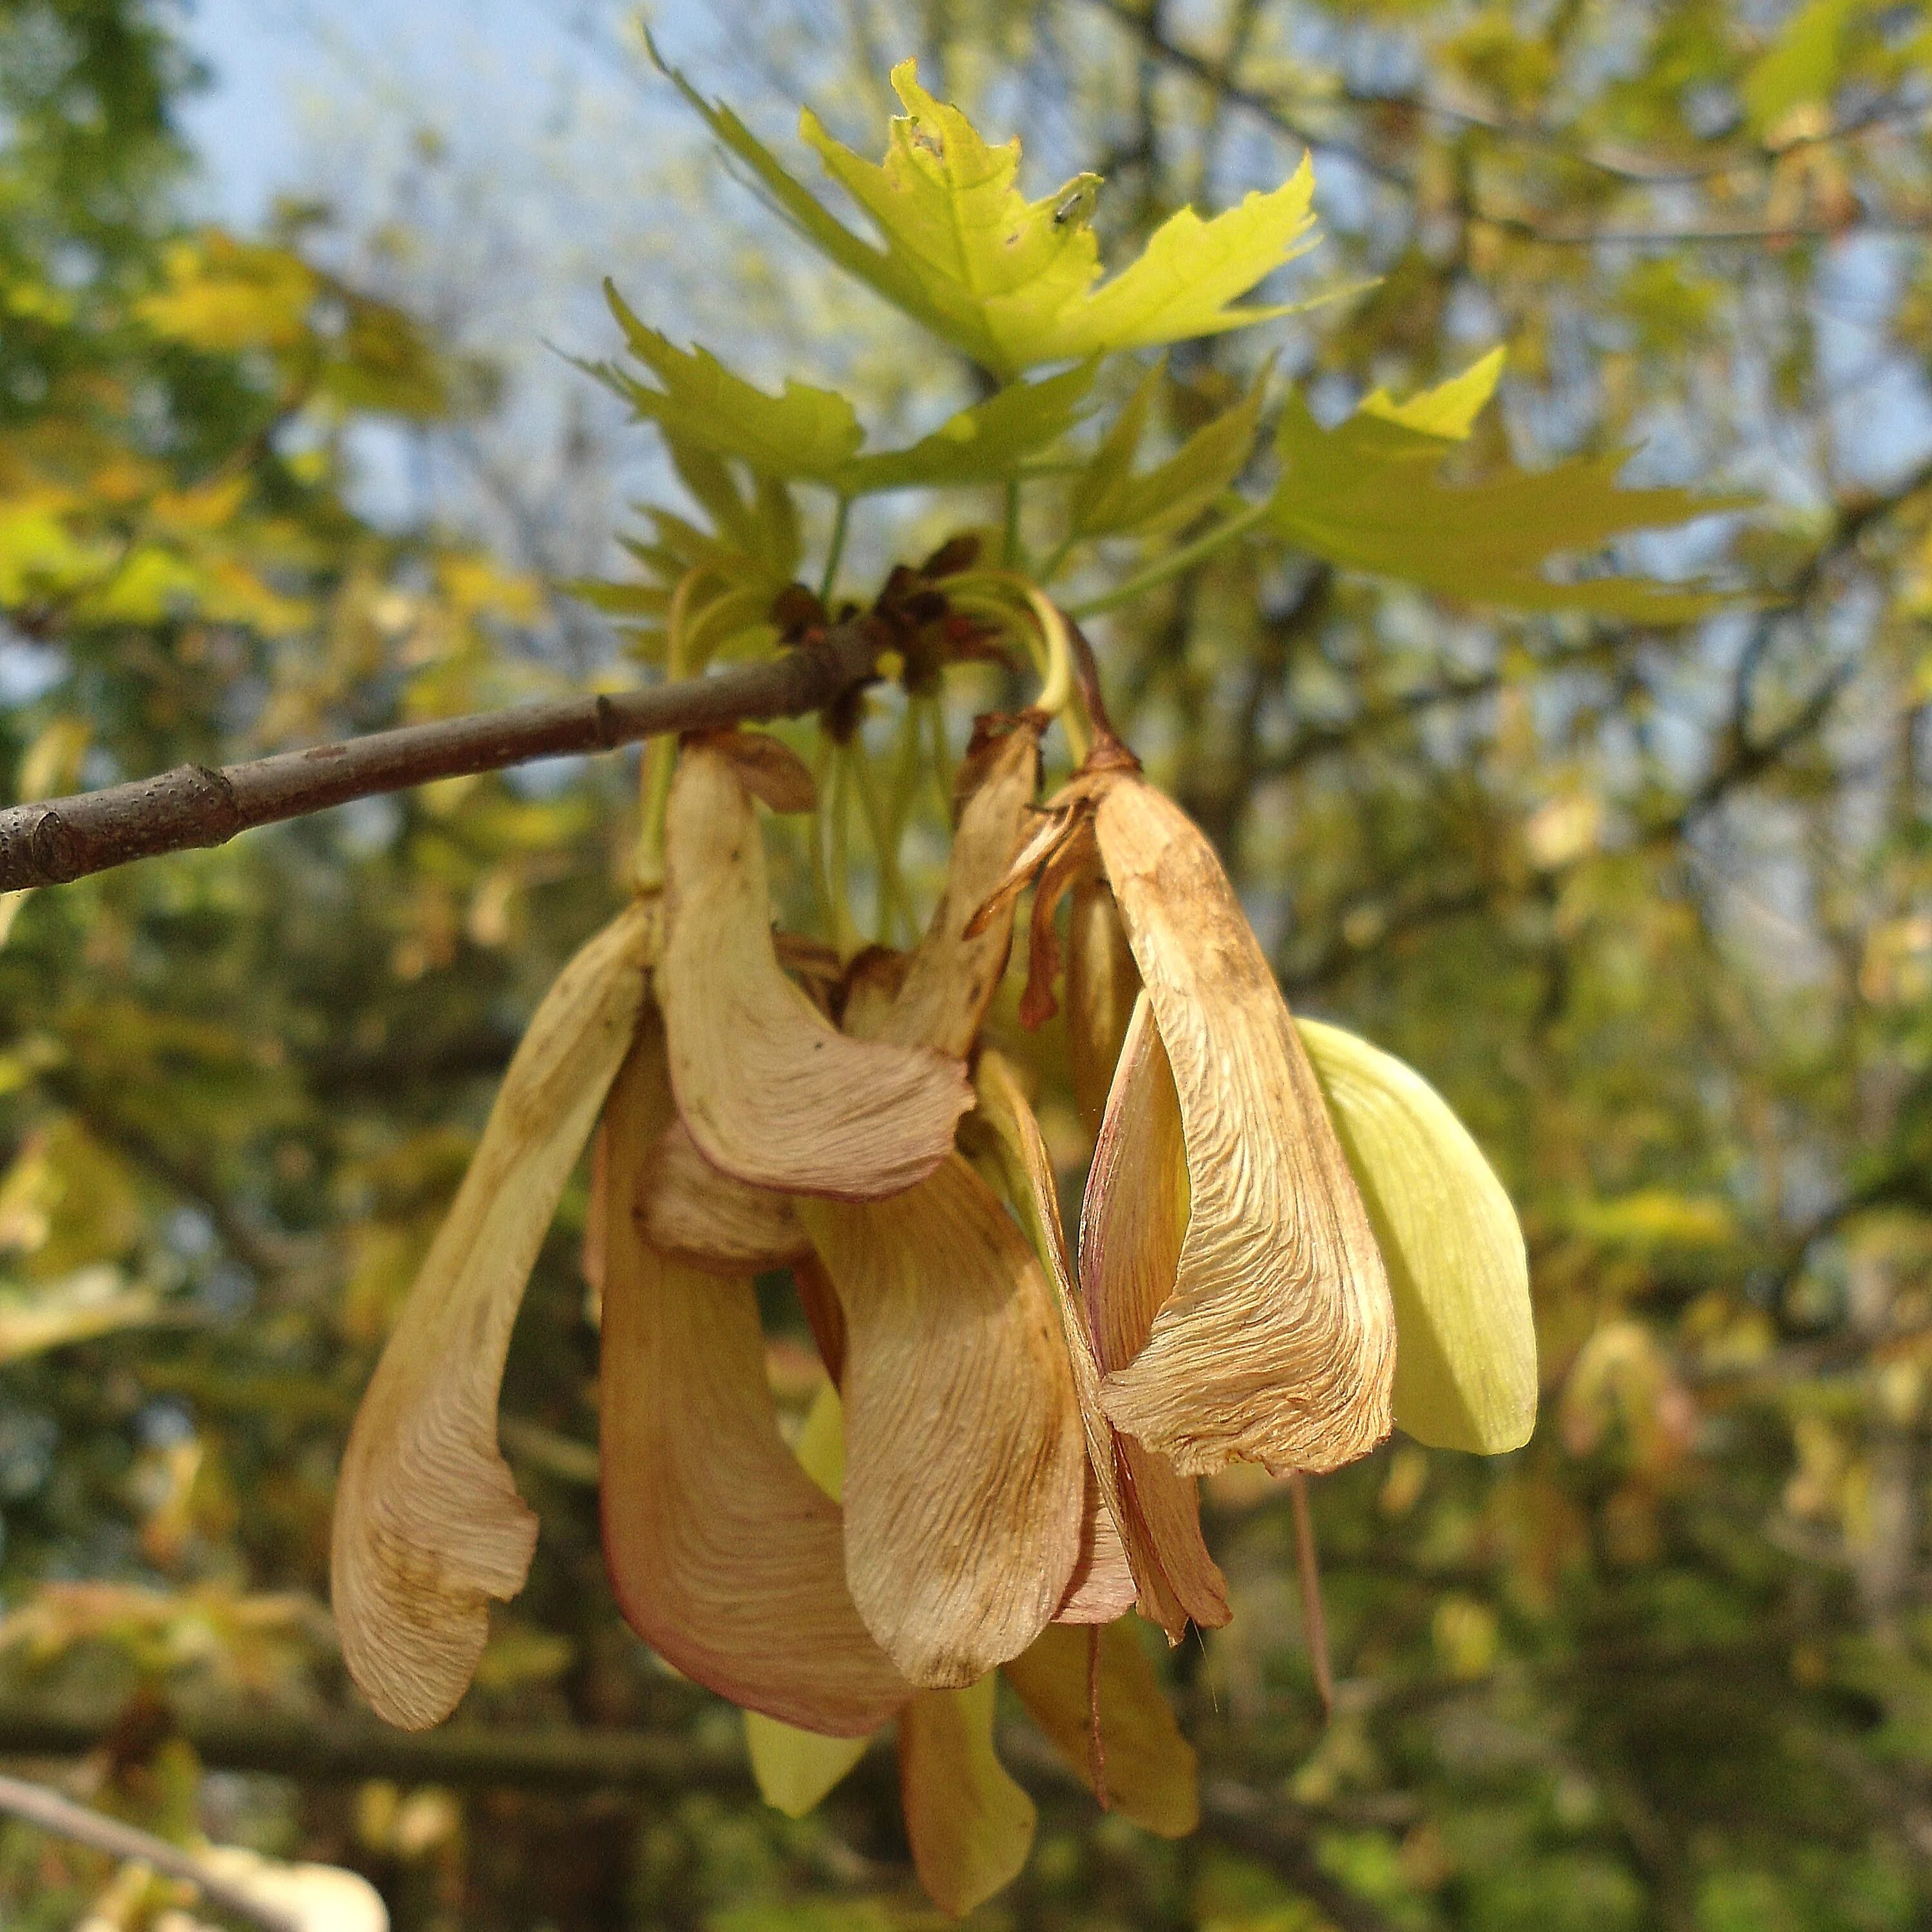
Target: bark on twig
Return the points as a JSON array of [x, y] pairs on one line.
[[64, 838]]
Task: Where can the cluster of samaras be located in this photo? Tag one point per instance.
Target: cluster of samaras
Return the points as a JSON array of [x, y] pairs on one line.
[[1009, 1444]]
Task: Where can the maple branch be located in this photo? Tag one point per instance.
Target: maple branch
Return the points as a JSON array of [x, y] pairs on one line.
[[52, 1812], [64, 839]]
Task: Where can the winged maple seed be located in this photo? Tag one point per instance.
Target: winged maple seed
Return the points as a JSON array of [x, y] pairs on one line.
[[1005, 1448]]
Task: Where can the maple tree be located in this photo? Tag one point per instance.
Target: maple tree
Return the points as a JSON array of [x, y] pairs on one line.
[[1383, 665]]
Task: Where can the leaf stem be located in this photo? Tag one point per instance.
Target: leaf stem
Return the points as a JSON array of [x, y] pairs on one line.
[[835, 551], [1314, 1617], [892, 896], [1174, 564], [845, 934], [660, 762], [1011, 550], [942, 772]]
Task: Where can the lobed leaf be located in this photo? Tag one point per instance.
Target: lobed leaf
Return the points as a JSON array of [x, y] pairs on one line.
[[1450, 409], [1011, 282], [984, 444], [801, 432], [1367, 495], [1108, 498], [705, 410]]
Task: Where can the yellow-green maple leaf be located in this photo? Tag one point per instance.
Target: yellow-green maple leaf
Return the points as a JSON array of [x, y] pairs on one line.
[[814, 434], [1368, 495], [983, 444], [1010, 281], [1108, 498], [802, 432]]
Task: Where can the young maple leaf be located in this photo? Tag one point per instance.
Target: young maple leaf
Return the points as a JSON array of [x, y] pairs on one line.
[[1367, 495], [1011, 282]]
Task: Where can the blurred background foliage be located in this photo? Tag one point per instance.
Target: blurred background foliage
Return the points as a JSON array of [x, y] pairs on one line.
[[1652, 905]]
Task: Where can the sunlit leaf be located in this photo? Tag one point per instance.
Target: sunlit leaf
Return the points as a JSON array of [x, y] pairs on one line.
[[1108, 498], [1450, 409], [225, 294], [801, 432], [970, 1825], [1466, 1354], [1150, 1767], [1010, 281], [983, 444], [814, 434], [1367, 495], [1801, 66]]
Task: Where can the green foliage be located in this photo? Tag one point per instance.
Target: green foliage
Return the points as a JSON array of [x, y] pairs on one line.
[[1368, 495], [1109, 498], [1648, 905], [1009, 281]]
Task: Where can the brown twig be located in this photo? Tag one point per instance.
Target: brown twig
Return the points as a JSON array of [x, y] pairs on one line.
[[64, 839]]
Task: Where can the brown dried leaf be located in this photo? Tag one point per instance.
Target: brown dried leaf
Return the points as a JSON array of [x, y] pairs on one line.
[[823, 1314], [970, 1825], [768, 769], [1031, 1183], [1101, 984], [428, 1524], [1048, 830], [1063, 868], [727, 1559], [709, 1219], [951, 978], [1102, 1586], [964, 1486], [871, 983], [769, 1091], [1132, 1228], [1151, 1768], [1278, 1344]]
